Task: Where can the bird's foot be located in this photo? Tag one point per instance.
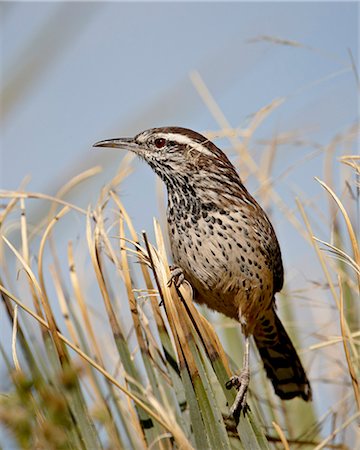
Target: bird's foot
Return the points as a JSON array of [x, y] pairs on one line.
[[177, 276], [241, 383]]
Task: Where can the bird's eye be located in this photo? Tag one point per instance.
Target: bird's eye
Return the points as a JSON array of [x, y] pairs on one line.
[[160, 142]]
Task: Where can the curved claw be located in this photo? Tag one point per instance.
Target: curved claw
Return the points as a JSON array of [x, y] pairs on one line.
[[177, 276], [241, 383]]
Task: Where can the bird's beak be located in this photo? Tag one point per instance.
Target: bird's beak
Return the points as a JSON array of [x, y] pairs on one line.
[[122, 143]]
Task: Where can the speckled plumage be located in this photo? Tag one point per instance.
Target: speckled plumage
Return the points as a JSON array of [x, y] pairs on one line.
[[224, 243], [223, 258]]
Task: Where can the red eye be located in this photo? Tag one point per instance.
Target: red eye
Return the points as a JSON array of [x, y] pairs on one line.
[[160, 143]]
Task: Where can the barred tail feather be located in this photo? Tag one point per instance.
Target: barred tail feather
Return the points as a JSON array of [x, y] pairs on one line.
[[281, 361]]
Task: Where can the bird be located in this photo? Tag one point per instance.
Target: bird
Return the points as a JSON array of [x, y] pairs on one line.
[[225, 246]]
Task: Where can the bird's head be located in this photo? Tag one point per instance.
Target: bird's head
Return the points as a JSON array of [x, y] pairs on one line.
[[175, 153]]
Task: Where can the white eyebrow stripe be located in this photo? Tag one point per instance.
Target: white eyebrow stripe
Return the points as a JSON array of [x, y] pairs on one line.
[[182, 139], [144, 135]]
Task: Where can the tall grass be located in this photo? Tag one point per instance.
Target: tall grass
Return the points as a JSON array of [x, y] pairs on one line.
[[102, 353]]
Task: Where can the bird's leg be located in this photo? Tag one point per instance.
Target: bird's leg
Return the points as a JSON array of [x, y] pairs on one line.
[[177, 276], [241, 383]]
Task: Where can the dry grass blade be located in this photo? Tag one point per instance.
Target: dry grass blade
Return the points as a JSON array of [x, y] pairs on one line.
[[81, 303], [44, 298], [345, 339], [13, 340], [341, 255], [93, 243], [350, 160], [12, 203], [219, 116], [180, 331], [26, 267], [276, 40], [81, 177], [318, 252], [64, 306], [143, 263], [129, 289], [282, 437], [36, 195], [353, 239]]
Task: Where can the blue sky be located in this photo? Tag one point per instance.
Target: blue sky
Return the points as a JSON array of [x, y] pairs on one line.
[[75, 73], [91, 70]]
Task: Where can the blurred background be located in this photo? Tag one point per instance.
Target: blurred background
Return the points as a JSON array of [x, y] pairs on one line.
[[76, 73]]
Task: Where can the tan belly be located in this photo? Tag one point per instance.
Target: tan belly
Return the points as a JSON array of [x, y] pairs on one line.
[[245, 303]]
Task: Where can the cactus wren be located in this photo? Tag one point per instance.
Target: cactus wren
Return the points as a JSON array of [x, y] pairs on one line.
[[223, 244]]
